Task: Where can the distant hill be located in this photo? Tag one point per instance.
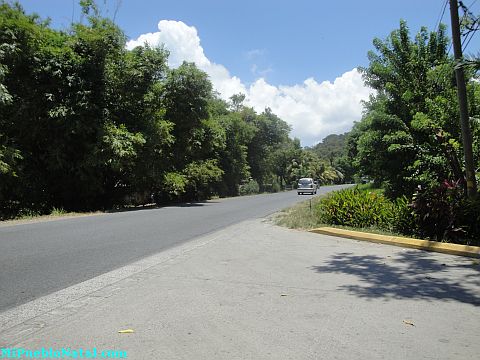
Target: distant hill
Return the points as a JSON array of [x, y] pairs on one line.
[[331, 148]]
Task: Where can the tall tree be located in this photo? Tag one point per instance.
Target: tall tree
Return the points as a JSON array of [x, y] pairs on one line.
[[408, 135], [272, 132], [187, 92]]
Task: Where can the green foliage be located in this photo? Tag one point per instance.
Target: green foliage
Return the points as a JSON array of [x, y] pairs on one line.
[[120, 147], [332, 151], [271, 131], [236, 102], [331, 147], [469, 219], [301, 215], [173, 185], [86, 124], [26, 214], [440, 212], [407, 136], [8, 159], [306, 163], [201, 177], [58, 212], [276, 187], [187, 92], [402, 220], [249, 188], [352, 207], [233, 157]]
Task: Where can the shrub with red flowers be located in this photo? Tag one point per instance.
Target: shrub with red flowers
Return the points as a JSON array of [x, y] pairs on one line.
[[443, 214]]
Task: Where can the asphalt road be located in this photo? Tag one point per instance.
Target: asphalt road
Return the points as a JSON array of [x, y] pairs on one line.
[[37, 259], [258, 291]]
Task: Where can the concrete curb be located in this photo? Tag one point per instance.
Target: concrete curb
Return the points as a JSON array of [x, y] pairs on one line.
[[447, 248]]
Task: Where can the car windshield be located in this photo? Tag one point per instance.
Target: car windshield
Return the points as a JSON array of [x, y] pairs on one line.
[[305, 182]]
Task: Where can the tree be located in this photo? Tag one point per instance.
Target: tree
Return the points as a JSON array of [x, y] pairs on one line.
[[233, 158], [199, 139], [187, 92], [271, 133], [135, 89], [331, 148], [236, 102], [407, 135], [87, 124]]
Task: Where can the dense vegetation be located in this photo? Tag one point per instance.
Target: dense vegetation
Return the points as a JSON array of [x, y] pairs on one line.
[[87, 124], [409, 142], [332, 151]]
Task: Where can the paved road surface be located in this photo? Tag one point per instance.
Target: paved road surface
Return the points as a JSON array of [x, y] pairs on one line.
[[40, 258], [257, 291]]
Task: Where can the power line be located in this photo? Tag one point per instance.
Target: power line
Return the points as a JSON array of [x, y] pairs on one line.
[[441, 16], [473, 3], [73, 11], [468, 14], [473, 27], [461, 21], [472, 33]]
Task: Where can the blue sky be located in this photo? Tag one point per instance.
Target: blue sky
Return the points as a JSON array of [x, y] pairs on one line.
[[297, 57]]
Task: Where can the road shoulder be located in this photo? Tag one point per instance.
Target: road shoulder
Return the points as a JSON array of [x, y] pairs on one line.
[[255, 290], [446, 248]]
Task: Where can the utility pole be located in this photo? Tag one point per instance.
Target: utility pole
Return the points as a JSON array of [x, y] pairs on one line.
[[462, 100]]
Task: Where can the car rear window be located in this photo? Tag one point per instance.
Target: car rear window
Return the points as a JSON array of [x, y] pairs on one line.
[[305, 182]]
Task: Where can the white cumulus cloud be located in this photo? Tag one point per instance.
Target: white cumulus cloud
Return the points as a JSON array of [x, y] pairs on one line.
[[313, 109], [183, 43]]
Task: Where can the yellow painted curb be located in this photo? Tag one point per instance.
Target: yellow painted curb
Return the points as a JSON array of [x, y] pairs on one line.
[[447, 248]]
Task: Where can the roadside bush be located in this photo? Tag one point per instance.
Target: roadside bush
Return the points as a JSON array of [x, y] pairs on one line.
[[469, 218], [402, 219], [172, 187], [439, 213], [442, 213], [58, 211], [276, 187], [249, 188], [352, 207], [201, 176], [435, 211]]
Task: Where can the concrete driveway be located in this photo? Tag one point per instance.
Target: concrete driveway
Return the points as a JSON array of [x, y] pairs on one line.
[[257, 291]]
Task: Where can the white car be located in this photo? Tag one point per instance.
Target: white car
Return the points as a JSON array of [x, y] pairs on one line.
[[306, 186]]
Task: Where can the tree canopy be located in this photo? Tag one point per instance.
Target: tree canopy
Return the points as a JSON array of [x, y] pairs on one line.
[[87, 124], [410, 132]]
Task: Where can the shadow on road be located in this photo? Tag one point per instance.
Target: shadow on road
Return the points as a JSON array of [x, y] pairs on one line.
[[193, 204], [412, 275], [155, 206]]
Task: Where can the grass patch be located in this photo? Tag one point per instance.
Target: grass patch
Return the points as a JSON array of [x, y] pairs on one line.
[[303, 217], [300, 216], [370, 187], [56, 213], [26, 215]]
